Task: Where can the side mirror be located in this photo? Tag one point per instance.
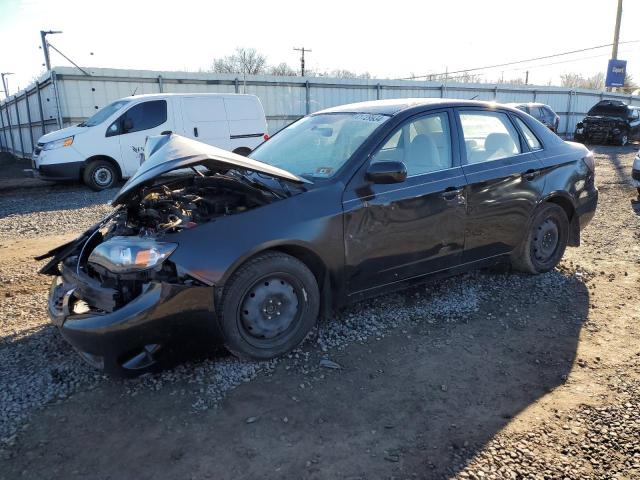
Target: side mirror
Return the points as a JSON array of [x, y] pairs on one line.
[[127, 125], [387, 172]]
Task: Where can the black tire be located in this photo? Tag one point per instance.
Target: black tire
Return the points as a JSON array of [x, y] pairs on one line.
[[268, 306], [100, 175], [545, 242], [623, 138]]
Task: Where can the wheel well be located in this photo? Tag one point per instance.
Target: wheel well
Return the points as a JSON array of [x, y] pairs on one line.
[[107, 159], [574, 227], [242, 151], [306, 256]]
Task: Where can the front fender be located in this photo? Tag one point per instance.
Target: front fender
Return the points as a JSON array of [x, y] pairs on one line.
[[311, 220]]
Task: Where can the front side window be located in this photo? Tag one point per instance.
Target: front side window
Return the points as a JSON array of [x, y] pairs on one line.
[[317, 146], [142, 116], [488, 136], [532, 141], [423, 144]]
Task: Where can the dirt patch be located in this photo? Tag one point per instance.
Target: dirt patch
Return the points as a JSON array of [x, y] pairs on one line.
[[538, 380]]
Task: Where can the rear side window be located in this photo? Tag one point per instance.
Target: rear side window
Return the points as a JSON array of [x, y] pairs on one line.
[[488, 136], [142, 116], [532, 141]]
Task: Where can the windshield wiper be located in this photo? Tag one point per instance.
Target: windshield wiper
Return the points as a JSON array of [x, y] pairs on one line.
[[262, 185]]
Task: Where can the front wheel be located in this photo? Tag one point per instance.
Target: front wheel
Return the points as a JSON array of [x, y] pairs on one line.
[[269, 306], [623, 139], [545, 242], [100, 175]]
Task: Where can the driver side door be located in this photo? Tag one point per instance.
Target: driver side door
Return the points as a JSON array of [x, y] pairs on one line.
[[394, 232], [132, 128]]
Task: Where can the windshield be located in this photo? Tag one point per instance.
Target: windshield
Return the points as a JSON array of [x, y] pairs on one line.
[[318, 145], [103, 114]]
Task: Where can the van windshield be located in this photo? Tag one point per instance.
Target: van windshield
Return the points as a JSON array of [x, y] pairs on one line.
[[318, 145], [103, 114]]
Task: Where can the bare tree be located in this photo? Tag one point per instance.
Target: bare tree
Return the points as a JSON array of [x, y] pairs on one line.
[[282, 70], [246, 61], [577, 80]]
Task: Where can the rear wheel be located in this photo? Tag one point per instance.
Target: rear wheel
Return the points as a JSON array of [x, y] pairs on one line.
[[545, 242], [269, 306], [100, 175]]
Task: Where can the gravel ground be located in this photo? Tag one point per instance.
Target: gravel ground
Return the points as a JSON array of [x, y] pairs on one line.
[[576, 438], [60, 210]]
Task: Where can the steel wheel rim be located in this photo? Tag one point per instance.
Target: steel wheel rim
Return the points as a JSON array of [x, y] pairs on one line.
[[269, 309], [102, 176], [546, 240]]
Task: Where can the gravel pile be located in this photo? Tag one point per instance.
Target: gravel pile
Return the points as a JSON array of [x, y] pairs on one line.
[[52, 212]]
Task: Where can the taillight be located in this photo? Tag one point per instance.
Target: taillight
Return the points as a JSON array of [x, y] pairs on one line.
[[266, 137], [589, 161]]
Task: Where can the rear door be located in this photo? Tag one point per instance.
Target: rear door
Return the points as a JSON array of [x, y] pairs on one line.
[[204, 118], [247, 123], [503, 182], [634, 123]]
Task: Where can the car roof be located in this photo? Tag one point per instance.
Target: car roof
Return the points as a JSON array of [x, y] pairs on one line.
[[394, 106], [529, 104]]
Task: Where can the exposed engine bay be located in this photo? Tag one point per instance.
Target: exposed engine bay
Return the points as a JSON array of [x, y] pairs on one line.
[[186, 202], [111, 263]]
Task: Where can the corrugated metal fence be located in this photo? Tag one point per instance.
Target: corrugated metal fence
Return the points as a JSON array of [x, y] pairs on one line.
[[66, 97]]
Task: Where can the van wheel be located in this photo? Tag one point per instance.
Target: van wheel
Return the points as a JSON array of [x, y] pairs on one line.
[[545, 242], [100, 175], [269, 306]]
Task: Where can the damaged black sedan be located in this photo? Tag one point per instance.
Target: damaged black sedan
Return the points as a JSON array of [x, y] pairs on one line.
[[341, 205], [609, 121]]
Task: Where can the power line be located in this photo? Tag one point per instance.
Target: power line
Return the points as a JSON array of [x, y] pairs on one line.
[[516, 62]]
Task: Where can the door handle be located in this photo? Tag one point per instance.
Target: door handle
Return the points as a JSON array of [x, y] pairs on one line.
[[530, 174], [195, 131], [451, 193]]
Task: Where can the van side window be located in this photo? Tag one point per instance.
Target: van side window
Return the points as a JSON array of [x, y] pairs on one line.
[[142, 116]]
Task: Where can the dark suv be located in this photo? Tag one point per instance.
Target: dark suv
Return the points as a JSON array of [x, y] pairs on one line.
[[541, 112], [609, 121]]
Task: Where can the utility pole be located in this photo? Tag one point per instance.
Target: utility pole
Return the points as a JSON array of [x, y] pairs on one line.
[[302, 50], [45, 46], [616, 36], [5, 84], [616, 32]]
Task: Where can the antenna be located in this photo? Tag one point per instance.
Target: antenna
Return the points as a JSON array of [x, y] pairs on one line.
[[134, 91]]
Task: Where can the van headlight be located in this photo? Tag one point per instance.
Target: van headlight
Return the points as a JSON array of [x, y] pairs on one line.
[[63, 142], [130, 254]]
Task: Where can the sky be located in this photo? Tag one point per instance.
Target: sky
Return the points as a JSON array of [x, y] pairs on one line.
[[388, 39]]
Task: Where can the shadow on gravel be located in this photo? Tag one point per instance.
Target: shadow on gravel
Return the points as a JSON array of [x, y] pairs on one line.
[[418, 402]]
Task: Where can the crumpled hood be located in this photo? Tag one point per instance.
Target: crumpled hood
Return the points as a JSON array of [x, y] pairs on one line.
[[60, 134], [164, 153]]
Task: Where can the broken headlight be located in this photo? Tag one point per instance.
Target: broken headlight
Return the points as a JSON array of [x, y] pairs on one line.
[[130, 254]]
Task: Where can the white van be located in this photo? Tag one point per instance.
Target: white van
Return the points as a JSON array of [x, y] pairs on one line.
[[109, 146]]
